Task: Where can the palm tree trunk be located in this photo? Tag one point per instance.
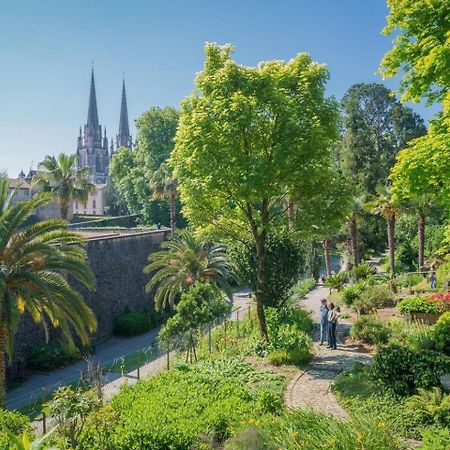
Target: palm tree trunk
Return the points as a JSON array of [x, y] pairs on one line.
[[64, 209], [2, 366], [326, 254], [172, 210], [291, 214], [391, 241], [354, 240], [421, 235]]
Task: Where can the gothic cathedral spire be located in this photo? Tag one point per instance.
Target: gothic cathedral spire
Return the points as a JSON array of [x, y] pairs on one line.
[[92, 149], [124, 139]]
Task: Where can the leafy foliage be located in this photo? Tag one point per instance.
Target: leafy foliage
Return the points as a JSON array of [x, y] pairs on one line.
[[52, 356], [36, 260], [198, 306], [369, 329], [238, 132], [70, 407], [283, 265], [132, 171], [441, 332], [132, 324], [404, 371], [64, 180], [179, 408], [181, 262], [14, 423], [418, 305]]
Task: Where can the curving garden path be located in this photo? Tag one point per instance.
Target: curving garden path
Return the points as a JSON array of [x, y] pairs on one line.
[[312, 386]]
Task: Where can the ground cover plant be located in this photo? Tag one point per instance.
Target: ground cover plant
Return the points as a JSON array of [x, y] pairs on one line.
[[178, 409]]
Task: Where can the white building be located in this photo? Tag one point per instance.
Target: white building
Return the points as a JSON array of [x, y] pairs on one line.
[[95, 205]]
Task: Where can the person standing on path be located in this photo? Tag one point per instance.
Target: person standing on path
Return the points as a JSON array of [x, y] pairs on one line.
[[333, 316], [323, 321]]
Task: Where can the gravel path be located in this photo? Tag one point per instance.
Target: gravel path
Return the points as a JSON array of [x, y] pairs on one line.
[[312, 387]]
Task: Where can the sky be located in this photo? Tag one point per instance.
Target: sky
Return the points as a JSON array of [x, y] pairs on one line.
[[47, 49]]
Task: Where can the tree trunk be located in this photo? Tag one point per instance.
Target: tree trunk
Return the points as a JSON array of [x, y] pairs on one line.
[[260, 284], [421, 235], [291, 215], [391, 242], [172, 210], [64, 209], [2, 366], [326, 254], [354, 241]]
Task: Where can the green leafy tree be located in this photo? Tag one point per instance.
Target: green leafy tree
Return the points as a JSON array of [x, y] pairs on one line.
[[182, 261], [421, 48], [115, 204], [385, 205], [249, 138], [35, 260], [198, 306], [284, 265], [164, 185], [64, 180], [376, 127], [132, 171]]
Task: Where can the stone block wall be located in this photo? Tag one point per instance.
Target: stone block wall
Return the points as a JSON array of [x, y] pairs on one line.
[[117, 262]]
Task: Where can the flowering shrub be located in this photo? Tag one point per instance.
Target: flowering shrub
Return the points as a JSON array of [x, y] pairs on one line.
[[441, 299]]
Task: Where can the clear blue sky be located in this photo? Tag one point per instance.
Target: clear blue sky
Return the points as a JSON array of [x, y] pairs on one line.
[[47, 46]]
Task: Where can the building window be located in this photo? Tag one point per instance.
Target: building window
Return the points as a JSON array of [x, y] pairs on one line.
[[94, 204], [76, 205]]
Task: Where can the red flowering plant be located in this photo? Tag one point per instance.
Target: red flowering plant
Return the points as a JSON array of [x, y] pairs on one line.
[[441, 300]]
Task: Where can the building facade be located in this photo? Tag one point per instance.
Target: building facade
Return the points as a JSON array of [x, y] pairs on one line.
[[95, 205]]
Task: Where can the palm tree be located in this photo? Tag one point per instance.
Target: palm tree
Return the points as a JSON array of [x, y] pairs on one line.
[[352, 220], [34, 263], [182, 262], [421, 206], [384, 205], [164, 185], [66, 183]]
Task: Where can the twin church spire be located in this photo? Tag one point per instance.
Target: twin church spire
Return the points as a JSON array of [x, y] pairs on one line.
[[92, 149]]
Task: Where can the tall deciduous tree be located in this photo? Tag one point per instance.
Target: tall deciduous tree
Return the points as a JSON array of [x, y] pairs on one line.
[[421, 48], [249, 138], [35, 260], [132, 170], [64, 180], [376, 128]]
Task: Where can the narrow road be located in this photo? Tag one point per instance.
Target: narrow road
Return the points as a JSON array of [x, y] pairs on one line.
[[312, 387]]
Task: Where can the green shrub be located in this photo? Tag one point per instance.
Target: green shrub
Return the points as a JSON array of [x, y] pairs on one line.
[[417, 305], [370, 330], [430, 407], [12, 422], [441, 333], [403, 370], [406, 280], [435, 439], [132, 324], [362, 271], [337, 281], [288, 330], [373, 297], [351, 293], [362, 397], [212, 400], [53, 355]]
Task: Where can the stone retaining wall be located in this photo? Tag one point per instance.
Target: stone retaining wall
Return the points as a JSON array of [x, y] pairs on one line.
[[117, 262]]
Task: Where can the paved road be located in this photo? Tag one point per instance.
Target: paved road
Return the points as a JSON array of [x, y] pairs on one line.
[[31, 390]]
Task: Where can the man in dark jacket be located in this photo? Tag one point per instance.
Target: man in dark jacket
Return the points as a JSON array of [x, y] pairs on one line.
[[323, 321]]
